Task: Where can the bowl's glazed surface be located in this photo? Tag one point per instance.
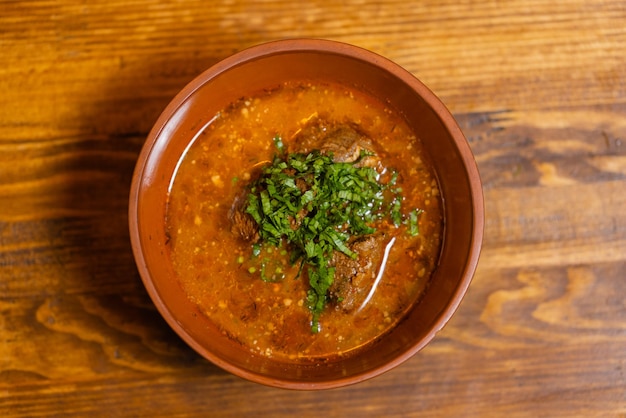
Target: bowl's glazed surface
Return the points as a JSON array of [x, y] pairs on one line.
[[266, 66]]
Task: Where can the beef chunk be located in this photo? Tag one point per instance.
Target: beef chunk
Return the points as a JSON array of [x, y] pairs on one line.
[[242, 223], [244, 226], [354, 278], [344, 140], [345, 143]]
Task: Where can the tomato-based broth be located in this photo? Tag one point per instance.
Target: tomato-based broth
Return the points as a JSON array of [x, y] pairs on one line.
[[257, 292]]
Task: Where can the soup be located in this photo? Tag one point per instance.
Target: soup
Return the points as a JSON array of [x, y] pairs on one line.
[[260, 284]]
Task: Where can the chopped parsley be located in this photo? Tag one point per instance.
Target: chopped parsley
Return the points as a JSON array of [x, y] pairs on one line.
[[314, 206]]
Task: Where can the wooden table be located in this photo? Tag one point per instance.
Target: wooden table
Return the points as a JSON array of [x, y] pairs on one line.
[[539, 88]]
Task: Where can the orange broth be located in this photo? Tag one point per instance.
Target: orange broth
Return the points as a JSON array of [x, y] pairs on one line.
[[212, 263]]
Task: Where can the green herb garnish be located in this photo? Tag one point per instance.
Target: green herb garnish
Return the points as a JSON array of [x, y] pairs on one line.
[[412, 222], [315, 205]]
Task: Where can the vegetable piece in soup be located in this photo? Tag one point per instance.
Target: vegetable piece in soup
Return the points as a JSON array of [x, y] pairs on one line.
[[305, 221]]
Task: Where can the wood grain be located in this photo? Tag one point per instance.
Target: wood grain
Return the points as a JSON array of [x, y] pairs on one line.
[[539, 89]]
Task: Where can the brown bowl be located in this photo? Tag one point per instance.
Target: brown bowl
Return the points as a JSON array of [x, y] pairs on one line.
[[269, 65]]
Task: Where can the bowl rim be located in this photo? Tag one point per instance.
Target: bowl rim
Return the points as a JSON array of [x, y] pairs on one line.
[[329, 47]]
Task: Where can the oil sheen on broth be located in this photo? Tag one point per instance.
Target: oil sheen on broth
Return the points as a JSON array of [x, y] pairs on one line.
[[215, 266]]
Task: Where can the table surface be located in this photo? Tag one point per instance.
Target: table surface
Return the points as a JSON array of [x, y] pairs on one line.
[[539, 89]]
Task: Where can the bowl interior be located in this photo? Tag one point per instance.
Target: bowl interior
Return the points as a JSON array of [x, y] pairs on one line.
[[268, 66]]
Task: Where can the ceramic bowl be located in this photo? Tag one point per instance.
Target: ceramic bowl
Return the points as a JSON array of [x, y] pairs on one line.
[[265, 66]]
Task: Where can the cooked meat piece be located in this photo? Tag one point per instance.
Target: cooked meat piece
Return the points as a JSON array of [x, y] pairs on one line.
[[242, 223], [354, 278], [344, 143], [244, 226], [344, 140]]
